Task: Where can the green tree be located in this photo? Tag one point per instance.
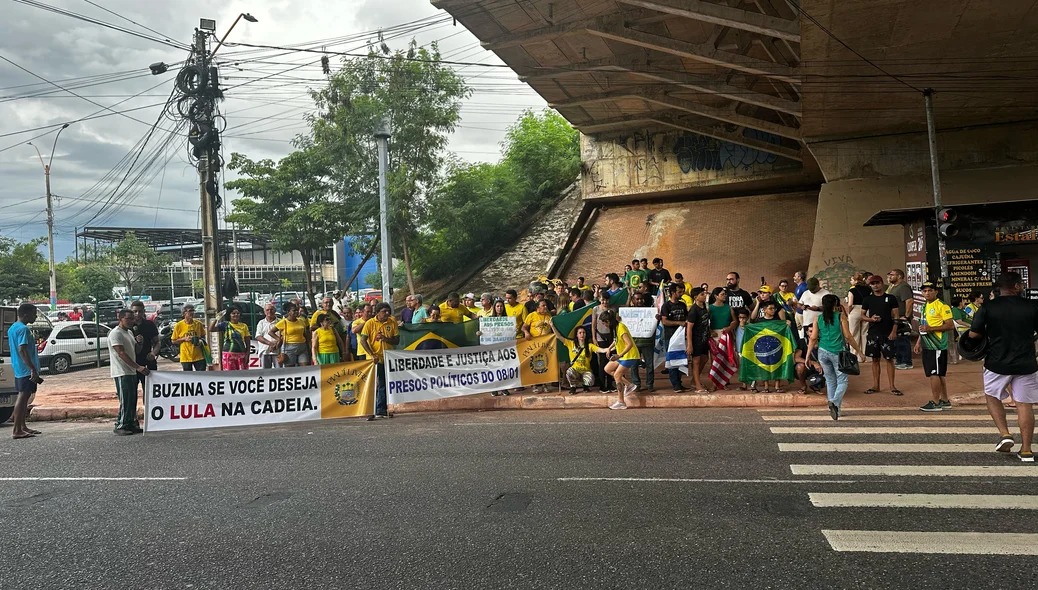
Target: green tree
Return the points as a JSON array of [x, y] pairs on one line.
[[399, 277], [422, 98], [134, 260], [544, 152], [98, 280], [292, 202], [23, 269], [197, 286]]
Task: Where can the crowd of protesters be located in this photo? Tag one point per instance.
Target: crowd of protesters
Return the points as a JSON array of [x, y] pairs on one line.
[[871, 316]]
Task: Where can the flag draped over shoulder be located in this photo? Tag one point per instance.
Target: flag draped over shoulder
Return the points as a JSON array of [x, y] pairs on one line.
[[436, 335], [677, 357], [767, 352]]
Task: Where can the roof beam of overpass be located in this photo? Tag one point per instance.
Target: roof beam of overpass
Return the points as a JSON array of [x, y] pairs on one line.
[[660, 98], [726, 16], [639, 66], [612, 27], [716, 131]]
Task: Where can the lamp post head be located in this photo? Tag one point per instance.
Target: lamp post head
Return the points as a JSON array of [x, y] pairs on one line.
[[383, 128], [249, 17]]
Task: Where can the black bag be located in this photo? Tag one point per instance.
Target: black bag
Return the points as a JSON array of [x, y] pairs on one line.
[[849, 363]]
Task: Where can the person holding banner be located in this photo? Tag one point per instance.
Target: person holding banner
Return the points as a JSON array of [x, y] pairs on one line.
[[293, 332], [380, 333], [580, 350], [236, 339], [328, 347], [124, 370], [625, 357], [538, 323]]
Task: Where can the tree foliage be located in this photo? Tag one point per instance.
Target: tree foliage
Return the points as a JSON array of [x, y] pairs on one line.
[[23, 269], [292, 202], [85, 282], [133, 260]]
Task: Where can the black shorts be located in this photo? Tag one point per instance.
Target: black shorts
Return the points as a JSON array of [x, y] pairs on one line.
[[935, 362], [24, 385], [701, 349], [877, 345]]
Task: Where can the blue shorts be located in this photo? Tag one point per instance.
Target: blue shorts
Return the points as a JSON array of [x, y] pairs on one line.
[[630, 364], [24, 385]]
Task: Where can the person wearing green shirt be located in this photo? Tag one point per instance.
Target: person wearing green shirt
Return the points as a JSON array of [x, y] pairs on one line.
[[636, 276]]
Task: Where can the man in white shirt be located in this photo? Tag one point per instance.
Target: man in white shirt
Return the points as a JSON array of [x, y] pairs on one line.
[[811, 301], [265, 344], [124, 369]]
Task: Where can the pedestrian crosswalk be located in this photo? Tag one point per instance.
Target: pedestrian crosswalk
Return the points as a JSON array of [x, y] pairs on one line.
[[943, 450]]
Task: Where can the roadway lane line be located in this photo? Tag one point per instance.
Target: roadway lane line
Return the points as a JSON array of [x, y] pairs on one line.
[[698, 480], [887, 418], [584, 423], [916, 470], [933, 542], [885, 430], [92, 478], [826, 447], [968, 501], [825, 410]]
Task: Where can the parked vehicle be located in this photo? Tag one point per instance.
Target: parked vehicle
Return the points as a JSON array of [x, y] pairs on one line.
[[167, 349], [107, 312], [152, 311], [8, 395], [72, 344]]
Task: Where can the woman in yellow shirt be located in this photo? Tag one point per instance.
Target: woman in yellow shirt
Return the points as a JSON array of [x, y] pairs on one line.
[[328, 347], [580, 350], [538, 323], [624, 358], [293, 334]]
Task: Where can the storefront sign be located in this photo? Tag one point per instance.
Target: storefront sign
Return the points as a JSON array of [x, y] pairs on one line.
[[1014, 235], [419, 375], [182, 400], [968, 271]]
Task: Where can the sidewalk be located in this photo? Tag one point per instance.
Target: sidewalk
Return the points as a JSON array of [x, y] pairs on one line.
[[90, 393]]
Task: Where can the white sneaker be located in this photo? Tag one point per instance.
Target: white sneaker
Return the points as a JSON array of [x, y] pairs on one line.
[[618, 406], [629, 389]]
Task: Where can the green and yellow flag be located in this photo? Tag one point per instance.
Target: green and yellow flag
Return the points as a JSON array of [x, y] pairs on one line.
[[567, 323], [767, 352], [438, 335]]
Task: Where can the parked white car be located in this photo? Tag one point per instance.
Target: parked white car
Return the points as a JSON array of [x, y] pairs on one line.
[[72, 344]]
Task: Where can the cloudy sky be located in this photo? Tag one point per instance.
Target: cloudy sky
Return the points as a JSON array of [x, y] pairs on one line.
[[109, 67]]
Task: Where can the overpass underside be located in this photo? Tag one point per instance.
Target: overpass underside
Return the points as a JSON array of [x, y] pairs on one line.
[[746, 134]]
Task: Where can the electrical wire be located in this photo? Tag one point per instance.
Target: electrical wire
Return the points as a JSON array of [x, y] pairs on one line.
[[171, 42]]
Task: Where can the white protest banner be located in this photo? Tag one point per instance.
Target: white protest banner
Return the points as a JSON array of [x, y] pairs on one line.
[[182, 400], [495, 330], [419, 375], [641, 321]]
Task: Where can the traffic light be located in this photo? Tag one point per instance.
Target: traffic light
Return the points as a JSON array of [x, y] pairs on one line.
[[946, 222]]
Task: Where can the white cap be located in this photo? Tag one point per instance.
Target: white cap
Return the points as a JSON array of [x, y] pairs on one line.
[[470, 296]]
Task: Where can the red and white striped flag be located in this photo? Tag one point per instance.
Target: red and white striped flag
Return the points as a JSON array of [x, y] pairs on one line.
[[722, 363]]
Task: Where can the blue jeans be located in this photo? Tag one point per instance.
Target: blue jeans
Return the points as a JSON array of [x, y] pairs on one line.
[[903, 350], [381, 405], [835, 381], [647, 352]]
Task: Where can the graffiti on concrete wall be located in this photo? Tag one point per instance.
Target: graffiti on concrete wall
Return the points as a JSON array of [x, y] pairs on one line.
[[836, 276], [696, 153]]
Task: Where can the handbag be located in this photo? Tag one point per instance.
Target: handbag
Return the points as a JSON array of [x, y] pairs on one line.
[[848, 363]]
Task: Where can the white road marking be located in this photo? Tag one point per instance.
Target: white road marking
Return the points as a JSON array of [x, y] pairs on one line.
[[968, 501], [885, 430], [933, 542], [917, 470], [920, 417], [700, 480], [827, 447], [92, 478], [825, 410]]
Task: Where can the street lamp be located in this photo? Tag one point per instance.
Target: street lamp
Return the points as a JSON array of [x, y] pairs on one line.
[[243, 15], [50, 216]]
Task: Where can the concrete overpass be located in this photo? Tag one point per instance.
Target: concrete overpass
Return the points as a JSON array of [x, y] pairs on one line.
[[762, 135]]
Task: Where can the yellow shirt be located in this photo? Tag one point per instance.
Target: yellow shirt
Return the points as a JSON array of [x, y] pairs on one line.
[[935, 314], [316, 319], [687, 300], [189, 353], [540, 323], [516, 311], [293, 332], [578, 359], [485, 313], [374, 327], [632, 353], [451, 315], [326, 341]]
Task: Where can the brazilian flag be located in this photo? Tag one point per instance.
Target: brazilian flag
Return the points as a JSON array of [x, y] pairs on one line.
[[567, 324], [767, 352], [619, 298], [432, 336]]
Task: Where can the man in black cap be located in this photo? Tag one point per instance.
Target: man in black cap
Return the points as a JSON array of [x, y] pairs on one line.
[[935, 326], [1010, 322]]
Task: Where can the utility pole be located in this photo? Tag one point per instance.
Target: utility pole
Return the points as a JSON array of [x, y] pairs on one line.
[[207, 193], [50, 217], [935, 172], [382, 132]]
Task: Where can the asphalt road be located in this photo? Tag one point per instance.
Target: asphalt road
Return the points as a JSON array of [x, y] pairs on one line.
[[495, 500]]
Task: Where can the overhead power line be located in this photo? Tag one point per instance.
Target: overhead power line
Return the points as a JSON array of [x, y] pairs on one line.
[[164, 40]]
